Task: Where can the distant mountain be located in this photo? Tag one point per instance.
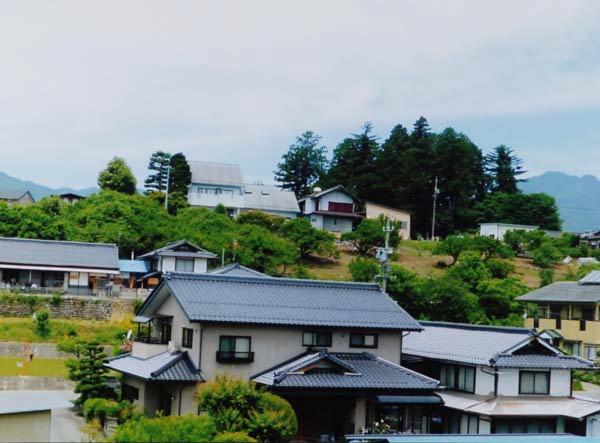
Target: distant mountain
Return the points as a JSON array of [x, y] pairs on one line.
[[38, 191], [578, 198]]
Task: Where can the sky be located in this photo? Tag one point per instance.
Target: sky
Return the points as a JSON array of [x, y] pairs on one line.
[[237, 81]]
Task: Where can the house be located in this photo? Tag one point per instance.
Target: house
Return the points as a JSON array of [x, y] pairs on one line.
[[221, 183], [75, 267], [500, 380], [497, 230], [70, 198], [375, 210], [26, 416], [237, 270], [15, 197], [570, 309], [132, 273], [182, 256], [591, 238], [333, 209], [333, 349]]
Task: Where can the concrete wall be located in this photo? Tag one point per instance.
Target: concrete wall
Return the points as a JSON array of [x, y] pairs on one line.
[[150, 394], [484, 382], [316, 220], [20, 383], [25, 427], [560, 382], [200, 264], [374, 211], [235, 199], [337, 224]]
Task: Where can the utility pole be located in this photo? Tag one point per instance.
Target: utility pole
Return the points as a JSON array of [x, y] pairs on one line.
[[436, 191], [383, 254], [167, 187]]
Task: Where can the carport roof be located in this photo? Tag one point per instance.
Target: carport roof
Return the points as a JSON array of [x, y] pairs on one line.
[[13, 402]]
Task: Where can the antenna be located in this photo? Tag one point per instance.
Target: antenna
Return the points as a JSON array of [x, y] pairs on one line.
[[382, 255]]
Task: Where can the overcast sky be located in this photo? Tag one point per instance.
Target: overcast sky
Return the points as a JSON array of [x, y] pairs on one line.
[[82, 81]]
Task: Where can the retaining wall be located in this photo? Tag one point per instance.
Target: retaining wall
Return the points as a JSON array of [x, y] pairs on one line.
[[21, 383]]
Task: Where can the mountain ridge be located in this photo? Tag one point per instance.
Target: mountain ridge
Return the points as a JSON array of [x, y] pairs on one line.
[[39, 191]]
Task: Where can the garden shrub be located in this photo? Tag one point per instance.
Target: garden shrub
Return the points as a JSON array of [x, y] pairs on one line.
[[174, 428], [233, 437]]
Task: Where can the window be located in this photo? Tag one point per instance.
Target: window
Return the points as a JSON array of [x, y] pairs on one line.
[[572, 347], [184, 264], [187, 337], [459, 378], [592, 352], [340, 207], [129, 393], [314, 338], [534, 382], [234, 349], [363, 340], [218, 191]]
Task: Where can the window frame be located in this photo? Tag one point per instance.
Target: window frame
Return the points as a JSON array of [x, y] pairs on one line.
[[187, 338], [452, 380], [315, 334], [547, 374], [248, 358], [375, 336], [186, 260]]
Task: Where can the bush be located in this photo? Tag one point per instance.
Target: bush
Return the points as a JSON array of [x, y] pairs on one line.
[[233, 437], [56, 299], [100, 408], [546, 277], [42, 323], [498, 268], [363, 269], [184, 428], [277, 421]]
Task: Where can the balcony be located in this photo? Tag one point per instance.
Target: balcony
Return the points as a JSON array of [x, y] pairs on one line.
[[151, 340], [235, 357], [587, 331]]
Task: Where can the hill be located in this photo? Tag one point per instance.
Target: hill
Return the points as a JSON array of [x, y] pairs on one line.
[[578, 198], [38, 191]]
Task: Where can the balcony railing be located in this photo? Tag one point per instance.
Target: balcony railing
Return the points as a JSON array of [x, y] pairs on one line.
[[235, 357], [151, 340]]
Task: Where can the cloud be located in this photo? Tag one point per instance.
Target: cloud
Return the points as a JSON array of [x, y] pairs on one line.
[[237, 81]]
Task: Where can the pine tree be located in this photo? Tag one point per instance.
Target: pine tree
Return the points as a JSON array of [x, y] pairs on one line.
[[180, 177], [303, 165], [503, 168], [117, 177], [157, 181], [89, 373]]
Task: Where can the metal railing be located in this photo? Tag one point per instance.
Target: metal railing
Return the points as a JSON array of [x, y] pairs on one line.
[[235, 357]]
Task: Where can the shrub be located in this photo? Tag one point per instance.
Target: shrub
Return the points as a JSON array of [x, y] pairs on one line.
[[546, 277], [42, 323], [233, 437], [184, 428], [363, 269], [498, 268], [277, 421], [56, 299]]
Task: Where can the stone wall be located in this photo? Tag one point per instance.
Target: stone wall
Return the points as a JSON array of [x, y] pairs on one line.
[[21, 383], [83, 308]]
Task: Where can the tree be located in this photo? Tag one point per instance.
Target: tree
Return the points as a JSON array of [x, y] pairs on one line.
[[470, 269], [309, 240], [497, 296], [363, 269], [525, 209], [117, 177], [303, 165], [263, 251], [42, 323], [180, 428], [259, 218], [159, 163], [491, 248], [353, 164], [369, 234], [180, 177], [453, 245], [89, 373], [448, 299], [503, 168]]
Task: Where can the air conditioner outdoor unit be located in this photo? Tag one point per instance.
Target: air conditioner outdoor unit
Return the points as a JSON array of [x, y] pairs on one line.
[[172, 347]]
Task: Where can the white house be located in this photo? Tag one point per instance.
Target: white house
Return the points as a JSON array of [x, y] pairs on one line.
[[221, 183], [182, 256], [501, 380], [332, 209], [497, 230]]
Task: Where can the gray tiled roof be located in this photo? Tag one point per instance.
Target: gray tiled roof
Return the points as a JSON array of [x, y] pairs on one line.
[[506, 347], [160, 367], [282, 301], [327, 191], [19, 251], [564, 291], [593, 278], [12, 194], [216, 173], [170, 251], [269, 198], [238, 270], [355, 371], [542, 362]]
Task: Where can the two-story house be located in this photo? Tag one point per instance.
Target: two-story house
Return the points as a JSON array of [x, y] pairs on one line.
[[333, 209], [500, 380], [333, 349], [568, 313], [221, 183]]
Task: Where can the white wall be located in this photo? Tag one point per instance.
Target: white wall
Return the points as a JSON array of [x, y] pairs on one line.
[[316, 220], [233, 200], [335, 196], [337, 224], [497, 231], [484, 382], [560, 382], [200, 264]]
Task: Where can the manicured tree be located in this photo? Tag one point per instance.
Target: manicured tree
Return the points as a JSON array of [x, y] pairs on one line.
[[309, 240], [303, 165], [157, 179], [453, 245], [174, 428], [117, 177], [90, 374], [180, 177]]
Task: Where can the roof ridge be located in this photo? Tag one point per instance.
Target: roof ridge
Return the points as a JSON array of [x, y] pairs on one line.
[[44, 240], [490, 328]]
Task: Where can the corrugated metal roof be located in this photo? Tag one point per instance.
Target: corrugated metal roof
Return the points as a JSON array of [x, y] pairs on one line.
[[133, 266], [564, 291], [282, 301], [160, 367], [269, 198], [216, 173], [363, 371], [593, 278], [13, 402], [19, 251], [238, 270]]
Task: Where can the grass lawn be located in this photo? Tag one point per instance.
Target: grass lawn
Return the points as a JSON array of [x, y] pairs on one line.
[[48, 367], [23, 329]]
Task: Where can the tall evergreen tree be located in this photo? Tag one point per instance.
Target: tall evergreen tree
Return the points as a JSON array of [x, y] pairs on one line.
[[89, 373], [180, 177], [503, 168], [353, 164], [303, 165], [117, 177], [157, 180]]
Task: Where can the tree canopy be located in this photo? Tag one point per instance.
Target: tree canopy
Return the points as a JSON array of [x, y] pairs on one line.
[[158, 166], [117, 177]]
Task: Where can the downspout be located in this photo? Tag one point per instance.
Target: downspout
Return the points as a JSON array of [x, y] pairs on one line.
[[202, 328], [401, 341]]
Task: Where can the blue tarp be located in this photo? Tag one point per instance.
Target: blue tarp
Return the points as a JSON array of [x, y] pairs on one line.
[[133, 266]]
